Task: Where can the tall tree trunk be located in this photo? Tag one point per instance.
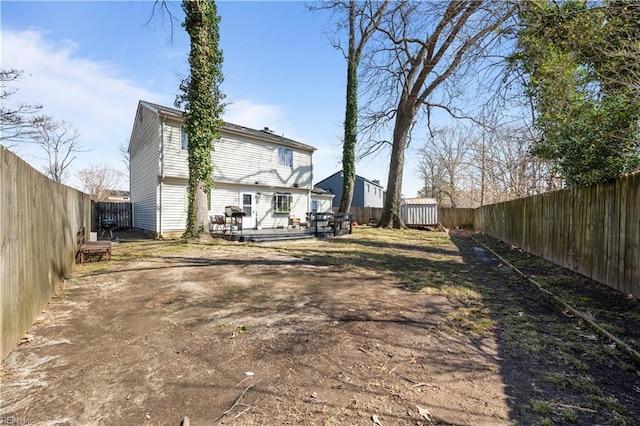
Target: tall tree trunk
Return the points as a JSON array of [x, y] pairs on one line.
[[203, 106], [202, 208], [350, 119], [391, 215]]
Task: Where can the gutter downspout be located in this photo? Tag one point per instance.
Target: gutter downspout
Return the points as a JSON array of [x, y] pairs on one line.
[[310, 186], [163, 120]]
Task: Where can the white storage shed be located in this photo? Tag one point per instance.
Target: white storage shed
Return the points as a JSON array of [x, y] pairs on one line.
[[419, 211]]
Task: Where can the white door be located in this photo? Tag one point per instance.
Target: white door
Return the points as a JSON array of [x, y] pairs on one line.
[[246, 202]]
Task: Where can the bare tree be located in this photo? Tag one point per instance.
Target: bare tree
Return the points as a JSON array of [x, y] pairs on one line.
[[126, 157], [431, 171], [98, 180], [447, 153], [473, 166], [17, 122], [361, 21], [419, 47], [59, 141]]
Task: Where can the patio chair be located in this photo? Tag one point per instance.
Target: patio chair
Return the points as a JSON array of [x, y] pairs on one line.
[[217, 223]]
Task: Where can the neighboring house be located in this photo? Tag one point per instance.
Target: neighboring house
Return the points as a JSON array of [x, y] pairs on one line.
[[268, 176], [114, 195], [366, 193], [321, 200]]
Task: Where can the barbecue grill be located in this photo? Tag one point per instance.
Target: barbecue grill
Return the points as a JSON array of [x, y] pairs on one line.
[[236, 214], [107, 225]]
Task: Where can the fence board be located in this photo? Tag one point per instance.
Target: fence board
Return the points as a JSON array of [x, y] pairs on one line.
[[615, 232], [586, 253], [632, 244]]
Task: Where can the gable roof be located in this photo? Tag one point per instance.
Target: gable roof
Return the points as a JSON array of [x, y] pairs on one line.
[[357, 177], [419, 201], [264, 135]]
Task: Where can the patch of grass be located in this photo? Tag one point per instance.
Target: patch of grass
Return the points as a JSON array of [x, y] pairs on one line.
[[569, 381], [609, 403], [452, 291], [616, 331], [540, 407], [633, 315], [579, 365], [475, 320], [149, 249], [569, 415]]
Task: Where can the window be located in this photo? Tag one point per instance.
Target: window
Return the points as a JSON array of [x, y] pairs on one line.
[[184, 139], [282, 202], [247, 206], [285, 157]]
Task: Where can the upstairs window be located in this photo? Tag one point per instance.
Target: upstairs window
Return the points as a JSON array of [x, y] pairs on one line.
[[285, 157], [282, 202], [184, 139]]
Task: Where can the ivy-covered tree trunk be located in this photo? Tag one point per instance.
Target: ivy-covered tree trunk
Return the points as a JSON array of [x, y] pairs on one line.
[[350, 118], [202, 101], [363, 18]]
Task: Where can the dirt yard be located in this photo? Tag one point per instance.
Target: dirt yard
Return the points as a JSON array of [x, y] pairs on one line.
[[377, 328]]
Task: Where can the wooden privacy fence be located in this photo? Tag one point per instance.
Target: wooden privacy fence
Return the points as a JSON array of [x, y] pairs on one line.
[[448, 217], [363, 215], [121, 212], [593, 230], [456, 218], [39, 222]]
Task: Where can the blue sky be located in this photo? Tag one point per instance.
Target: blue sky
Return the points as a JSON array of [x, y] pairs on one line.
[[89, 62]]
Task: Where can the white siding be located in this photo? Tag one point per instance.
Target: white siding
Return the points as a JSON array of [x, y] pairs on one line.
[[245, 161], [230, 195], [372, 195], [240, 160], [144, 151], [324, 202], [176, 160], [174, 207], [420, 214]]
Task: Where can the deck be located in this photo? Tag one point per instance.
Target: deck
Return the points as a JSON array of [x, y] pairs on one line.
[[264, 235], [322, 225]]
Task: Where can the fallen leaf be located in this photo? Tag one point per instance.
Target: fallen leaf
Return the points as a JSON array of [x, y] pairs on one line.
[[424, 413], [26, 339]]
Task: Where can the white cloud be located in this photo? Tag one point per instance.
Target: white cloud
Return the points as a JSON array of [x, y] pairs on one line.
[[256, 115], [89, 95], [98, 99]]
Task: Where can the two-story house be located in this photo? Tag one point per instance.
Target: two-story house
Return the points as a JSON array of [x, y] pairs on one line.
[[268, 176], [366, 193]]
